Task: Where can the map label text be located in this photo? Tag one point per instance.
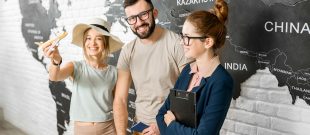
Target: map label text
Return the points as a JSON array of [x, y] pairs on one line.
[[236, 66], [287, 27], [191, 2]]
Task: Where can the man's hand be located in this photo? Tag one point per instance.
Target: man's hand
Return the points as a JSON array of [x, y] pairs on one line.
[[169, 117], [151, 130]]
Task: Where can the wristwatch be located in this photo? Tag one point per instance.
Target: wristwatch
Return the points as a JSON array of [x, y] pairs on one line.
[[57, 64]]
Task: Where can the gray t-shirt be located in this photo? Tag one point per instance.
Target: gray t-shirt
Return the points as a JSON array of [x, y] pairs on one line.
[[92, 97], [154, 70]]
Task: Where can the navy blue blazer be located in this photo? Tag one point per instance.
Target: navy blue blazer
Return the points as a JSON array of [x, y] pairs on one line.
[[214, 95]]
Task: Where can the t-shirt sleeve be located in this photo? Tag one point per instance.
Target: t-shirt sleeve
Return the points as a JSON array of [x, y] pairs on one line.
[[114, 70], [124, 58], [76, 69]]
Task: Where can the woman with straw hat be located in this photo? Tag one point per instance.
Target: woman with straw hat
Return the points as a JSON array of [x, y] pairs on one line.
[[92, 78]]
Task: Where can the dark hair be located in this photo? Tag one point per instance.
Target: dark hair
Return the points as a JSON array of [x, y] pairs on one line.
[[132, 2], [212, 23]]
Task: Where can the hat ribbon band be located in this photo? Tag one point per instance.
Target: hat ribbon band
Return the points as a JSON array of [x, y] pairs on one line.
[[100, 26]]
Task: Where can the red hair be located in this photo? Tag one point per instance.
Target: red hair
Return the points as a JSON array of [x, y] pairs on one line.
[[211, 23]]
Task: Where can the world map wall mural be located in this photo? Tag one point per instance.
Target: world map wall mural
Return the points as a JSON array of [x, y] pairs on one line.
[[37, 23], [262, 34]]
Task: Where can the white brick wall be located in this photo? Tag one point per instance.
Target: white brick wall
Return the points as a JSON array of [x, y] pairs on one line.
[[24, 94], [25, 98], [262, 109]]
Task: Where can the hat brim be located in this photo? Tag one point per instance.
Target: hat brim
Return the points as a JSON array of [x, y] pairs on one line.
[[78, 33]]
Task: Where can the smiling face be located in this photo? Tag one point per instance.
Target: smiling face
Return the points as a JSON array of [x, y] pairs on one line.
[[94, 44], [142, 28], [195, 47]]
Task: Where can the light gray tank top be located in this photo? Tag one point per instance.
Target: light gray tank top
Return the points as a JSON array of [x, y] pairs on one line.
[[92, 97]]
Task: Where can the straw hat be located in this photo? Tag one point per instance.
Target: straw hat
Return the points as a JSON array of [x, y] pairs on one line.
[[99, 25]]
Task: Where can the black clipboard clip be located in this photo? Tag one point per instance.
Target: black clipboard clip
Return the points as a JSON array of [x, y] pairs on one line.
[[182, 95]]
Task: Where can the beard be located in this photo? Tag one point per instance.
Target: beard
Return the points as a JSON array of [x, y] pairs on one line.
[[149, 32]]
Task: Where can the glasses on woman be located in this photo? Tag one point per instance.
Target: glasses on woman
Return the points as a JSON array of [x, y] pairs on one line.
[[185, 39], [142, 16]]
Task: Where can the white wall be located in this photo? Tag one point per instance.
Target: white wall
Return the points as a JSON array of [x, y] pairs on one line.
[[263, 108], [24, 94]]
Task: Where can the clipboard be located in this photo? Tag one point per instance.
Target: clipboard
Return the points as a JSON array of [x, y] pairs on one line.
[[183, 106]]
